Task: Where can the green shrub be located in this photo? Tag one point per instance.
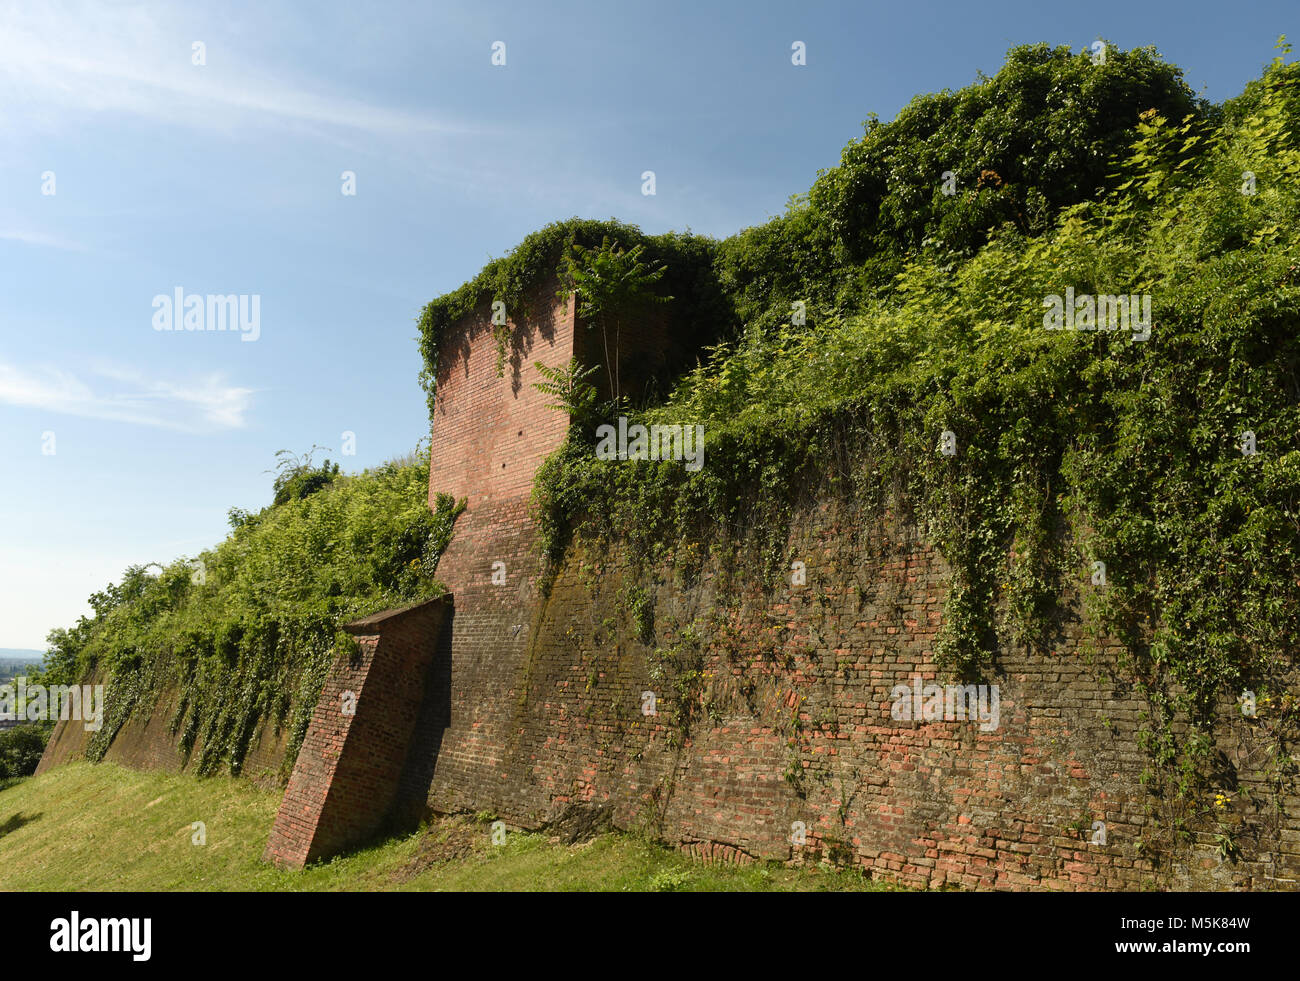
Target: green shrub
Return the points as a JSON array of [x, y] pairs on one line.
[[698, 309], [296, 478], [1021, 146], [21, 747], [247, 631]]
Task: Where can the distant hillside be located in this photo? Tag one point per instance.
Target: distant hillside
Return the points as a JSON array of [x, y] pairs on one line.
[[15, 660]]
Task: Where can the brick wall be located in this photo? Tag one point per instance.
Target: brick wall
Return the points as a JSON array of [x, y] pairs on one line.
[[793, 724], [352, 769], [491, 433], [489, 436], [146, 742], [532, 704]]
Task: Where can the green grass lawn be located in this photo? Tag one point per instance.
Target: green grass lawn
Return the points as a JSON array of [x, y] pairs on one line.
[[104, 827]]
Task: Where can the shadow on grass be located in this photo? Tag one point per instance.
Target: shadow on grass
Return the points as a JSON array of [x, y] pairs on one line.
[[16, 822]]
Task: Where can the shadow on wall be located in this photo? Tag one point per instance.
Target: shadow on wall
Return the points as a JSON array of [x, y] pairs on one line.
[[535, 318], [377, 726], [411, 806]]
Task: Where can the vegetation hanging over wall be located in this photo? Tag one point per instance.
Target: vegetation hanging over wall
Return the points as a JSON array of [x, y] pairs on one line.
[[925, 316], [247, 631], [698, 310], [1169, 453], [1020, 146]]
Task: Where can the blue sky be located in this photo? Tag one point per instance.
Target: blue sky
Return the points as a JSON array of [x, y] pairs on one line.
[[225, 178]]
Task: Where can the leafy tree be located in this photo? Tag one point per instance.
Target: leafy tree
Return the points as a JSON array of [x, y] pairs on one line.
[[1019, 147], [611, 283], [296, 478], [1035, 138], [20, 749], [764, 269]]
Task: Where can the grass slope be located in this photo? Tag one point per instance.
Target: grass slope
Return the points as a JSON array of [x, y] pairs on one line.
[[104, 827]]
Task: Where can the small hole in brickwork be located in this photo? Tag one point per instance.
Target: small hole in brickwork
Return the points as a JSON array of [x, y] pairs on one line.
[[521, 432], [503, 466]]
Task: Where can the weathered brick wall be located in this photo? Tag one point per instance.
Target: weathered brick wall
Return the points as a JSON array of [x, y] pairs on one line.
[[349, 775], [489, 645], [491, 433], [793, 717], [489, 436], [773, 704], [792, 723], [146, 742], [70, 737]]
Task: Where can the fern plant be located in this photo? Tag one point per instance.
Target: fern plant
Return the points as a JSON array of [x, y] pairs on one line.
[[569, 387]]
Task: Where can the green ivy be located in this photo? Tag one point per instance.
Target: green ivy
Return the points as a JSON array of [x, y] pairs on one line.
[[1072, 447], [698, 309], [249, 642]]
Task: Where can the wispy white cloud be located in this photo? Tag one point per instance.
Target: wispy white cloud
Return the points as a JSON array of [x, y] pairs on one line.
[[96, 58], [203, 405], [40, 239], [68, 65]]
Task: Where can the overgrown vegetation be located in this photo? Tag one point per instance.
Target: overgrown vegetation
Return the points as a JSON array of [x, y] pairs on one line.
[[247, 630], [609, 284], [698, 309], [935, 181], [1071, 447], [21, 747], [296, 477], [902, 299], [1021, 146]]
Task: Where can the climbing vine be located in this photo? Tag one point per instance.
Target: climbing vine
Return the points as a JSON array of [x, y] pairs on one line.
[[1094, 463], [245, 633], [547, 255]]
